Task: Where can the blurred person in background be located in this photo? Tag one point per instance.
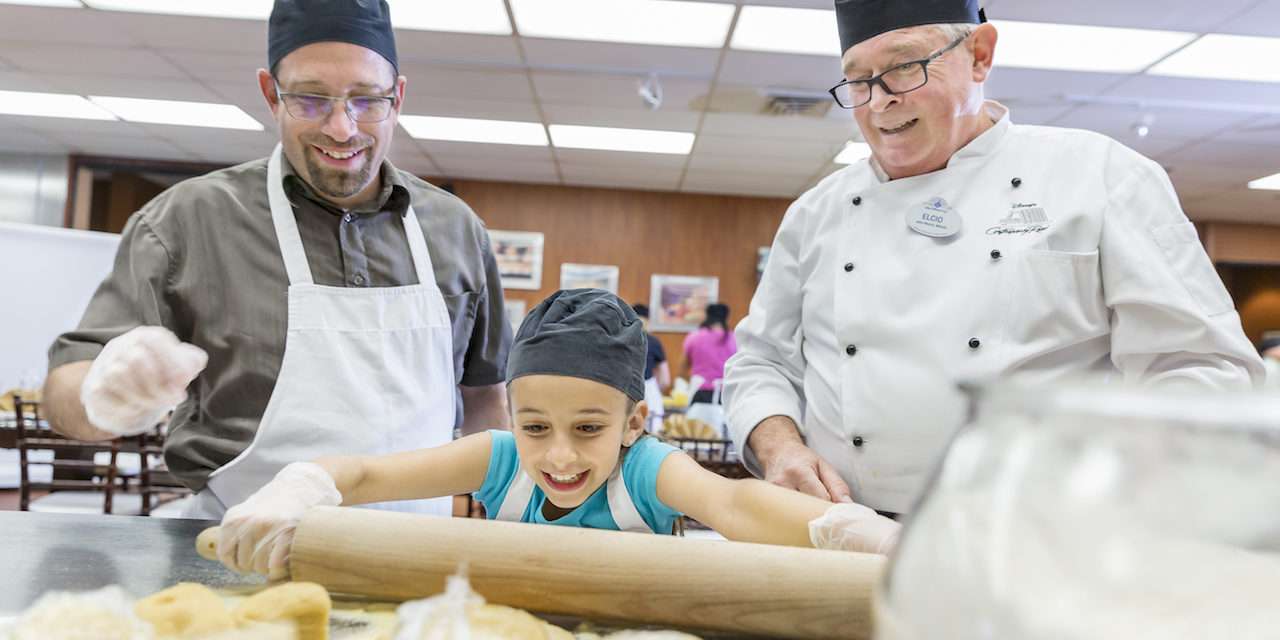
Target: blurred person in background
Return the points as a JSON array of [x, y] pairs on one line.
[[707, 349]]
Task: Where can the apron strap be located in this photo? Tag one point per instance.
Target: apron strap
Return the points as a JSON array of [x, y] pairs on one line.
[[622, 507], [418, 248], [517, 498], [295, 258]]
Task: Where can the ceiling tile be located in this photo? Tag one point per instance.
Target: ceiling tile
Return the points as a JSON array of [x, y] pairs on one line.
[[796, 128], [614, 91], [438, 81], [600, 57], [484, 109], [1263, 158], [414, 47], [576, 114], [1120, 122], [499, 171], [760, 183], [51, 25], [119, 62], [783, 71], [620, 160], [766, 149], [199, 33], [602, 177], [1173, 15]]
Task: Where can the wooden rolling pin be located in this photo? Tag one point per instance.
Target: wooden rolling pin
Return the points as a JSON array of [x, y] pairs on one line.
[[603, 575]]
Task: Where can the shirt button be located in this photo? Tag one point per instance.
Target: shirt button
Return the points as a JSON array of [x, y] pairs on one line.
[[851, 350], [857, 441], [348, 218], [974, 343], [996, 255], [1016, 182], [848, 266], [358, 279], [857, 200]]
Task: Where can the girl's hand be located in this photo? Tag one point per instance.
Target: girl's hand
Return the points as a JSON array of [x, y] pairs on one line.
[[849, 526]]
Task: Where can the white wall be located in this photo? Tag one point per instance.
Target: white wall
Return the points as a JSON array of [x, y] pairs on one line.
[[33, 189]]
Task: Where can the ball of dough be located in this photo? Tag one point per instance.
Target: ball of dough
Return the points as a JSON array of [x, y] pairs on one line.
[[185, 610]]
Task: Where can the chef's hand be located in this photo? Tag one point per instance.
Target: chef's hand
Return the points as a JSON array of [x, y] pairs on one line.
[[788, 462], [854, 527], [257, 534], [138, 378]]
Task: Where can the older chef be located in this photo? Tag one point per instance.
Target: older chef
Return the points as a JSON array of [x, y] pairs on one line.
[[966, 247], [316, 302]]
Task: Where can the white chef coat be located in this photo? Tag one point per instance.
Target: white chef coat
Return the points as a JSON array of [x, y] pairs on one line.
[[1074, 256]]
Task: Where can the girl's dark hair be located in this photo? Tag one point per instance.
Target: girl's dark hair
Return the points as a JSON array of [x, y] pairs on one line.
[[717, 314]]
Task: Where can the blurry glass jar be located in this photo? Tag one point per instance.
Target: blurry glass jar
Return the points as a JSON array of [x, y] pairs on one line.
[[1091, 512]]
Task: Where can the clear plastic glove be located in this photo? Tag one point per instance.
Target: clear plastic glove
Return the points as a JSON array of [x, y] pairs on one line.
[[138, 378], [257, 534], [849, 526]]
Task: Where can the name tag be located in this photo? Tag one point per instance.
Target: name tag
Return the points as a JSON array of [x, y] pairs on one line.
[[935, 219]]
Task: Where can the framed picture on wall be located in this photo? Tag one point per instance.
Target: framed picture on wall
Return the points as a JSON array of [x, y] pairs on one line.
[[679, 303], [589, 276], [515, 310], [519, 256]]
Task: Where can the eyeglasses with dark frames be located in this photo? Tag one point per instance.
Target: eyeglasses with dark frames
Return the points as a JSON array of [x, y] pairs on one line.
[[904, 78]]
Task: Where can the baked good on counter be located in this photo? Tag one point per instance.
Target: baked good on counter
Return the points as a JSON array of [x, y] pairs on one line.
[[105, 614], [185, 610]]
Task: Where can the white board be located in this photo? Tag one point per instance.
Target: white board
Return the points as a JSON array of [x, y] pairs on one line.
[[48, 274]]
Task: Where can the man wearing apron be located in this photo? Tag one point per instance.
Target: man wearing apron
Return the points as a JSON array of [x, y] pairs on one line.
[[315, 302], [967, 247]]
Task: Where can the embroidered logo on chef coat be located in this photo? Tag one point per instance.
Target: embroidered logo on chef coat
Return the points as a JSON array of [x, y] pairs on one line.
[[1022, 218]]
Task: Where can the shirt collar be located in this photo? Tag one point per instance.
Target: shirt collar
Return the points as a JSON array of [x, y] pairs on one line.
[[394, 195], [984, 144]]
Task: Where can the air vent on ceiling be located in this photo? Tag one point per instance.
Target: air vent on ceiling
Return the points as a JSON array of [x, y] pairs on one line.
[[796, 104]]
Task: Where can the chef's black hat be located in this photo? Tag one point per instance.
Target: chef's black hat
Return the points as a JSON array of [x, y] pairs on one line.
[[297, 23], [865, 19], [582, 333]]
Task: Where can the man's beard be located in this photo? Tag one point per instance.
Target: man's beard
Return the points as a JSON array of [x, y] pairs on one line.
[[334, 183]]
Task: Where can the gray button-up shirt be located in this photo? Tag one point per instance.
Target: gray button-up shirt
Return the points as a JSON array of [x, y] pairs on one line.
[[202, 260]]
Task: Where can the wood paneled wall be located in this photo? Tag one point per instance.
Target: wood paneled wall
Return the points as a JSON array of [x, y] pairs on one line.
[[642, 232]]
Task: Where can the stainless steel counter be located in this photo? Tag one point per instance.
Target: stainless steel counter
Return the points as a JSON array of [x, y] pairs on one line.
[[42, 552]]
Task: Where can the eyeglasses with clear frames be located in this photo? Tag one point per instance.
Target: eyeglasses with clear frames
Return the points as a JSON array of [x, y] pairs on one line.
[[904, 78], [313, 106]]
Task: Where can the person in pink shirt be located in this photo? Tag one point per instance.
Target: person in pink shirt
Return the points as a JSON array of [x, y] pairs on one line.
[[707, 349]]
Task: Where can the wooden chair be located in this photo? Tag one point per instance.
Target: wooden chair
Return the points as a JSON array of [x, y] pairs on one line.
[[156, 484], [92, 487]]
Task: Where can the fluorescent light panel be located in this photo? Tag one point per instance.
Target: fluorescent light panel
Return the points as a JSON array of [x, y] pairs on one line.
[[611, 139], [474, 130], [50, 105], [188, 114], [1069, 47], [243, 9], [787, 30], [1225, 57], [853, 152], [654, 22], [46, 3], [1270, 183], [471, 16]]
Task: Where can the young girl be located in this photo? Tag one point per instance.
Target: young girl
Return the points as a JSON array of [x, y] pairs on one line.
[[577, 455]]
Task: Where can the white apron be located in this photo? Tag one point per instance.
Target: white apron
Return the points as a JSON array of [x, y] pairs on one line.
[[365, 371], [621, 507], [653, 398]]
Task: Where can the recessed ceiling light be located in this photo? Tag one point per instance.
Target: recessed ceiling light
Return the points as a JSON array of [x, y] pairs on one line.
[[1225, 57], [189, 114], [472, 16], [46, 3], [243, 9], [656, 22], [50, 105], [1270, 183], [612, 139], [474, 130], [1071, 47], [853, 152], [787, 30]]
